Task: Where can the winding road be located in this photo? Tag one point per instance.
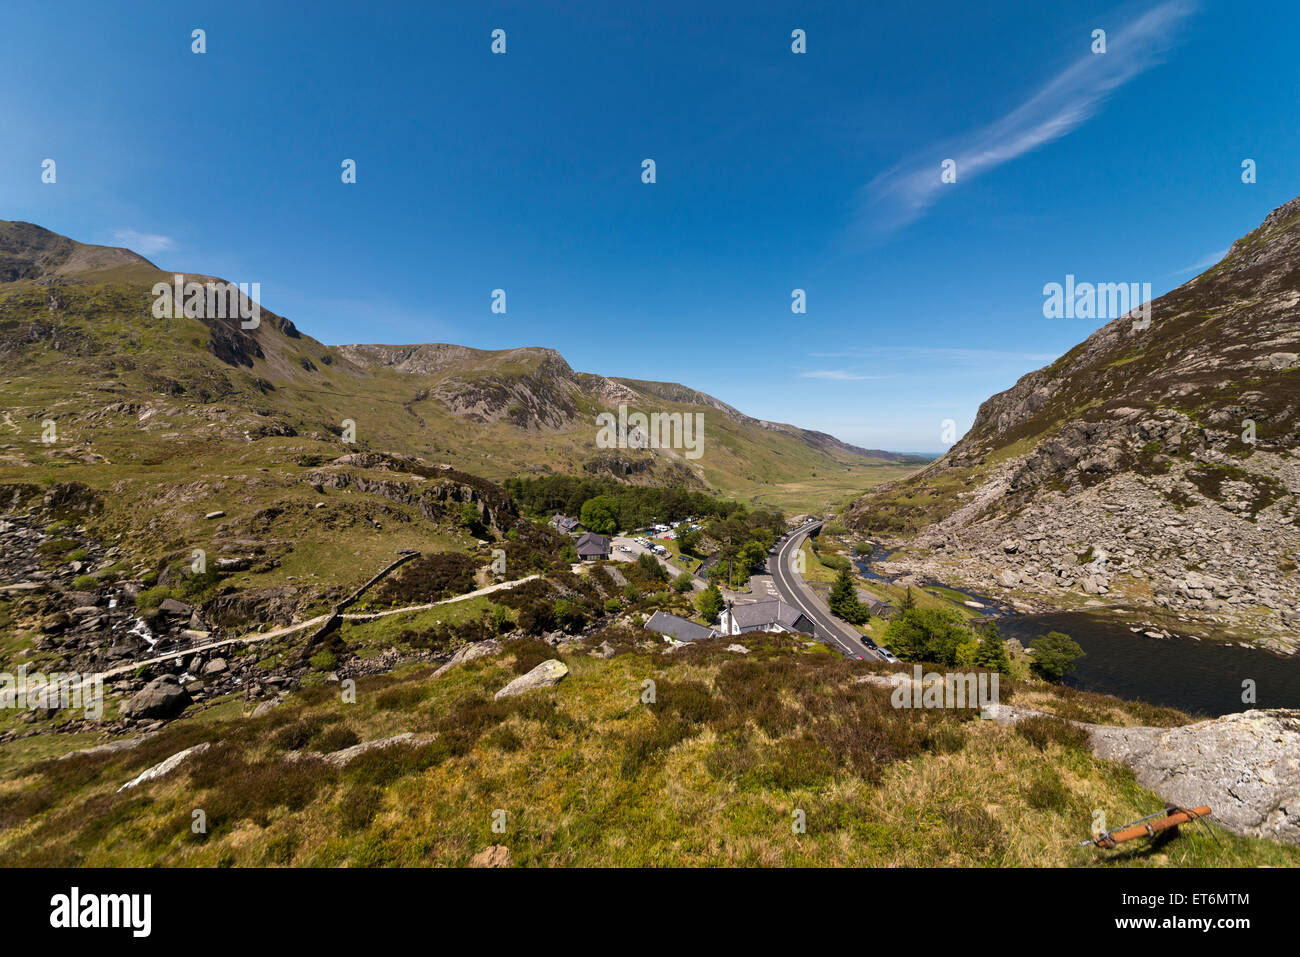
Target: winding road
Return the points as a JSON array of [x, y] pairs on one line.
[[796, 591]]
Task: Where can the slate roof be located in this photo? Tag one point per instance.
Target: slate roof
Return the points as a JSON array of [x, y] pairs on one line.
[[592, 544], [679, 628], [565, 524], [759, 614]]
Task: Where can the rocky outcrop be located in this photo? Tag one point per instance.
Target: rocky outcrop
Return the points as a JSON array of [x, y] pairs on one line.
[[407, 739], [498, 855], [545, 675], [469, 652], [1246, 767], [1153, 464]]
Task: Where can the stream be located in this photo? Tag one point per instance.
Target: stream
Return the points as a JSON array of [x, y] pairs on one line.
[[1202, 677]]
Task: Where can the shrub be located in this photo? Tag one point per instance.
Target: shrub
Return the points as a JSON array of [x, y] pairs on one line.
[[296, 736], [529, 653], [336, 739], [645, 743], [798, 763], [1047, 794], [430, 578], [1055, 655], [359, 806], [324, 660], [505, 739], [56, 546], [1041, 730], [243, 790], [153, 597]]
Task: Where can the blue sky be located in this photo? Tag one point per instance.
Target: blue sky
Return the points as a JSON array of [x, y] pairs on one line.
[[775, 171]]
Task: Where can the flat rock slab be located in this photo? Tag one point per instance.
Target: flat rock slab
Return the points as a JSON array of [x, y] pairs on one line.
[[1246, 767], [342, 757], [545, 675], [164, 767], [477, 649]]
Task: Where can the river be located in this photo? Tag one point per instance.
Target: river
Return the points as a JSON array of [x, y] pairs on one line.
[[1201, 677]]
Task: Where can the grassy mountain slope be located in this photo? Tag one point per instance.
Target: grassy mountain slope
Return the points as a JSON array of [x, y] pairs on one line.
[[79, 345], [712, 772]]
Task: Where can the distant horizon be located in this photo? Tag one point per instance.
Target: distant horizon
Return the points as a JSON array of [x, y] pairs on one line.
[[816, 179]]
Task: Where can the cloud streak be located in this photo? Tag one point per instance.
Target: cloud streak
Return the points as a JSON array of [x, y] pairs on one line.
[[838, 375], [146, 244], [906, 190], [1198, 267], [979, 357]]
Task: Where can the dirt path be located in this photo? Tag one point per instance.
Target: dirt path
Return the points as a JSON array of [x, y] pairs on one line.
[[499, 586]]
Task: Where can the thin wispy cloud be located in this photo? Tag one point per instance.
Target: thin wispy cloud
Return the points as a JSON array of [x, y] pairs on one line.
[[937, 354], [905, 191], [838, 375], [1203, 265], [145, 244]]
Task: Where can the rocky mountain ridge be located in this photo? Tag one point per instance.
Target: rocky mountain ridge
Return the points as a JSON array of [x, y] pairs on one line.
[[1156, 466], [80, 345]]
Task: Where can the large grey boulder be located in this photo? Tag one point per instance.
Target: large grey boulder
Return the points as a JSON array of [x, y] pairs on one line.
[[1246, 767], [161, 698], [177, 609], [545, 675]]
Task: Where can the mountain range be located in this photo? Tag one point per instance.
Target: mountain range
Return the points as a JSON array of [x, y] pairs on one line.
[[80, 344]]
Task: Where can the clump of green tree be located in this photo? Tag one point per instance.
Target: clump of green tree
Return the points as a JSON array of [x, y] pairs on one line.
[[743, 538], [709, 603], [600, 514], [633, 506], [1055, 655], [941, 635]]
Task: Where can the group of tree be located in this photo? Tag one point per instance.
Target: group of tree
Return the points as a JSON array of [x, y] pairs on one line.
[[622, 507], [941, 636], [743, 539]]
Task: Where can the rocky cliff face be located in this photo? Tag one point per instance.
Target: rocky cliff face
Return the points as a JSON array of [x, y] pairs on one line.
[[1156, 465]]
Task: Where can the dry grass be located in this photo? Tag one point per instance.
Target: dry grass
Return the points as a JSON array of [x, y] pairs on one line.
[[732, 751]]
